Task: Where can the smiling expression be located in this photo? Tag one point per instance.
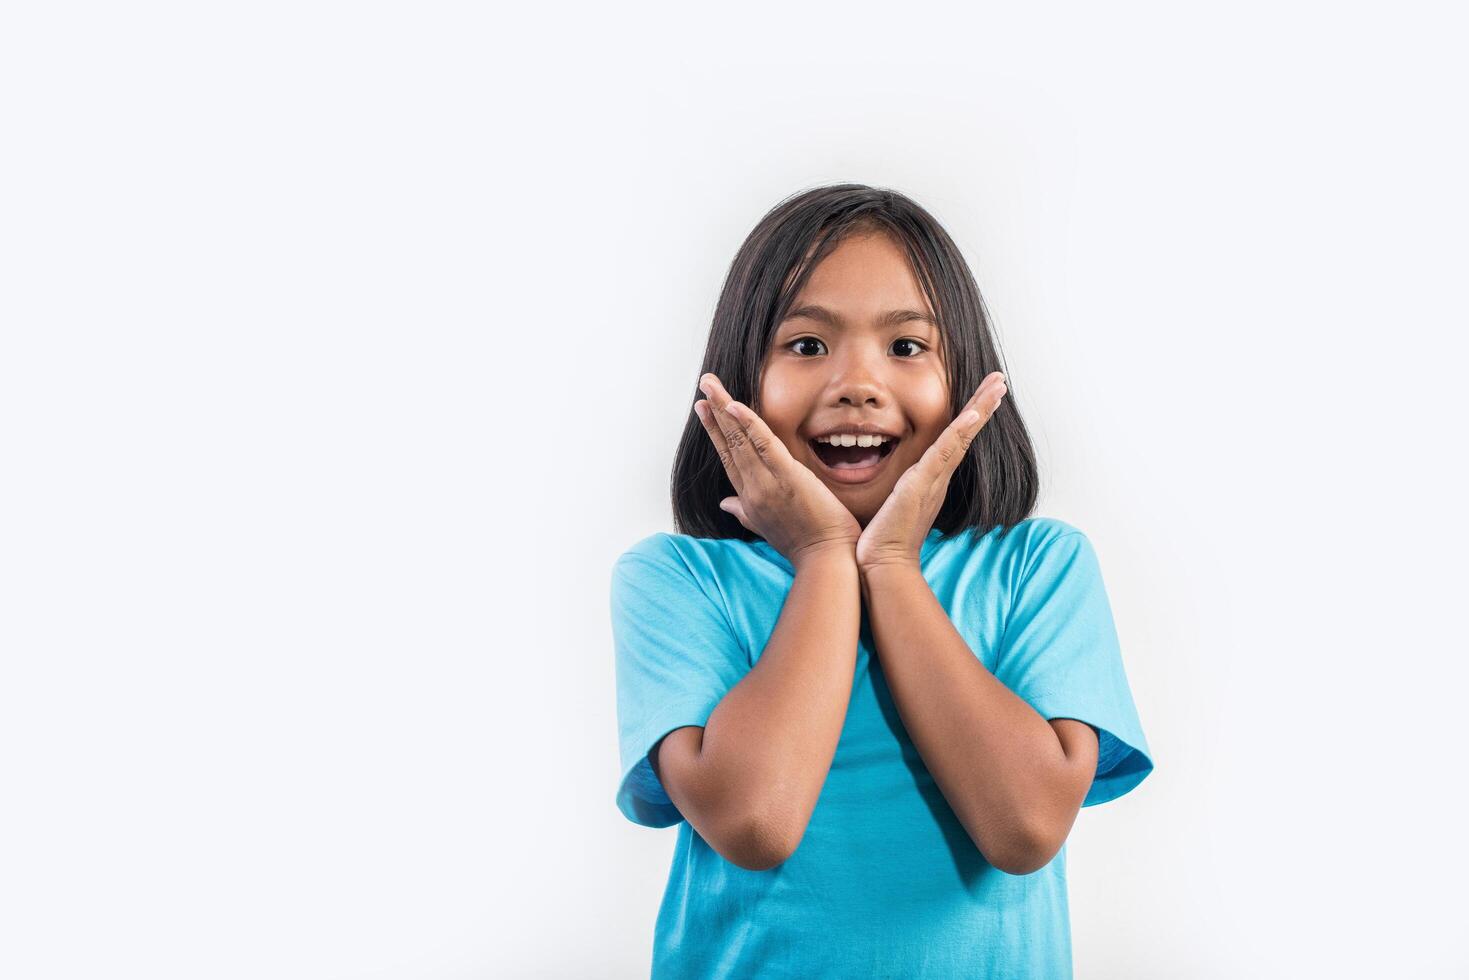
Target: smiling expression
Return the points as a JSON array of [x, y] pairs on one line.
[[859, 348]]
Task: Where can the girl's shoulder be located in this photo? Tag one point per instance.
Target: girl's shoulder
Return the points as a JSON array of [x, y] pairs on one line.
[[1012, 552], [699, 557], [1043, 530], [1024, 537], [665, 544]]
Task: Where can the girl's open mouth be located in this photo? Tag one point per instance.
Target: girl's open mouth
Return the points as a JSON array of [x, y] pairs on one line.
[[852, 464]]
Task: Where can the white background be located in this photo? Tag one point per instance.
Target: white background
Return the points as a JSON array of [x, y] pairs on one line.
[[346, 346]]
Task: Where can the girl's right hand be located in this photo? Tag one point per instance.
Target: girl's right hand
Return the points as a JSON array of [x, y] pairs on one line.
[[779, 498]]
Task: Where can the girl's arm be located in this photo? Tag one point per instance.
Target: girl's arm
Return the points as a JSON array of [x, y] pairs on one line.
[[1015, 781], [751, 776]]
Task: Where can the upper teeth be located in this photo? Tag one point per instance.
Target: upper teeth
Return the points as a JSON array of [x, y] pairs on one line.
[[848, 439]]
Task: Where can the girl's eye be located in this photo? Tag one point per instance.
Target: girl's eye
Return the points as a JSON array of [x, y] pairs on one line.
[[906, 340]]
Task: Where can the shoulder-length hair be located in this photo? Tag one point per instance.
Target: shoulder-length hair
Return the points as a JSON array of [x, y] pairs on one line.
[[996, 483]]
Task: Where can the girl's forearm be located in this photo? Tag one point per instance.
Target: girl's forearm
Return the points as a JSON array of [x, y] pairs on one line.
[[998, 763], [769, 744]]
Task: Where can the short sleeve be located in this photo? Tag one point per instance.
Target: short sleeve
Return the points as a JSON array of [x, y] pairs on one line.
[[1059, 653], [676, 658]]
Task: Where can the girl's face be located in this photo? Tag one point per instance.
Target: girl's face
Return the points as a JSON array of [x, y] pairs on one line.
[[858, 350]]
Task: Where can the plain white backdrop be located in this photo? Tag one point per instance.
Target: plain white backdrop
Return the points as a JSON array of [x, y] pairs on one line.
[[345, 346]]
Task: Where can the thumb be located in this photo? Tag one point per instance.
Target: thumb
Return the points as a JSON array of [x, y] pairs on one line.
[[732, 505]]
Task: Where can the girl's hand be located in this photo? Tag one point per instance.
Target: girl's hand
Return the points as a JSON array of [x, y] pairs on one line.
[[778, 498], [896, 533]]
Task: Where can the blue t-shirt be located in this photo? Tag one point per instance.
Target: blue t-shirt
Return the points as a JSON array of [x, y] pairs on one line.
[[885, 882]]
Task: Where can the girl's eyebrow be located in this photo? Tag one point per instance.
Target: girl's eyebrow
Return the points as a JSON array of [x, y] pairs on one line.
[[889, 319]]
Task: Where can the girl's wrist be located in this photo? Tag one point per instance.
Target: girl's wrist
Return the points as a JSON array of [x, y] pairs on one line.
[[888, 567], [875, 575], [840, 555]]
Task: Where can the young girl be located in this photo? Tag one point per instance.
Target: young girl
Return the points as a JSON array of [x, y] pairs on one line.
[[870, 689]]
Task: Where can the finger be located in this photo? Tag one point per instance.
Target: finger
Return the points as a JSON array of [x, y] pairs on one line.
[[951, 445], [750, 440], [944, 456], [988, 395], [732, 505], [755, 436], [1001, 389], [718, 400], [721, 444]]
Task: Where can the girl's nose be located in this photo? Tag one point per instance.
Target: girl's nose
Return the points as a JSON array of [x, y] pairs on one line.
[[857, 388]]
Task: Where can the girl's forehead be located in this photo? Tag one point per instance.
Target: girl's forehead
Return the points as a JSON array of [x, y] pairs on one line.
[[864, 255], [861, 291]]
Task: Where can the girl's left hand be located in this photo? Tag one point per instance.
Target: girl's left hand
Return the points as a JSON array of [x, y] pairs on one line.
[[896, 533]]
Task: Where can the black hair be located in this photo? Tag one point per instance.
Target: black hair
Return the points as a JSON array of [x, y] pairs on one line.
[[995, 485]]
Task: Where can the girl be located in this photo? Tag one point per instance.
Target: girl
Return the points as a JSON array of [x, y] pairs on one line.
[[871, 690]]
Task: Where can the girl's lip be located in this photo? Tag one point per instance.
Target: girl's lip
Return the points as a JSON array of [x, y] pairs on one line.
[[862, 475]]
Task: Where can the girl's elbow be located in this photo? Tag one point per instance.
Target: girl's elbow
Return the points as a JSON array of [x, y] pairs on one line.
[[762, 845], [1027, 863], [1022, 854]]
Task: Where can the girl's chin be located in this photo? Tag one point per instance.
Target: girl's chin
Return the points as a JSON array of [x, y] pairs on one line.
[[859, 490]]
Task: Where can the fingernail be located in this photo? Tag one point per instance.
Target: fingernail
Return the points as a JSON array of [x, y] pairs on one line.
[[969, 418]]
